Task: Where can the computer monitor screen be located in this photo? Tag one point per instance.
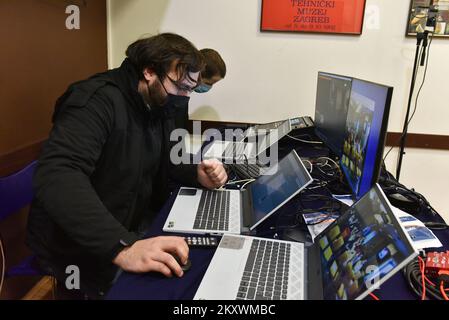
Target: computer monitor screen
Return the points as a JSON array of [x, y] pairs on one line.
[[362, 249], [332, 100], [278, 185], [365, 131]]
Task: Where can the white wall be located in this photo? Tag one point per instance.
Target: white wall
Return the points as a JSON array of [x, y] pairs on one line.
[[273, 75]]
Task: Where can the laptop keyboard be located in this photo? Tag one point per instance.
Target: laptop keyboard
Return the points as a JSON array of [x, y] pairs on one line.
[[213, 211], [266, 272]]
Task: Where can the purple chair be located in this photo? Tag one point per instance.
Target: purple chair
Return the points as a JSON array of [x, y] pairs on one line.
[[16, 192]]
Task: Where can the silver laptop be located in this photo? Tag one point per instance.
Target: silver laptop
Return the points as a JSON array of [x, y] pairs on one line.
[[352, 257], [250, 149], [235, 211]]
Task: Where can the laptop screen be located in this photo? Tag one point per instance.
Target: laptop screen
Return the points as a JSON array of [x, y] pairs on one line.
[[361, 248], [274, 188]]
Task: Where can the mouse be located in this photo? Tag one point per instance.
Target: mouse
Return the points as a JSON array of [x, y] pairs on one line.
[[184, 267]]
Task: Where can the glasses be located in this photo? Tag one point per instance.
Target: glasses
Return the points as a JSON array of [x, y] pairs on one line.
[[180, 86]]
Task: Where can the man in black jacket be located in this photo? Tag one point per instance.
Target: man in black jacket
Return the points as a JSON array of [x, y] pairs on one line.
[[103, 173]]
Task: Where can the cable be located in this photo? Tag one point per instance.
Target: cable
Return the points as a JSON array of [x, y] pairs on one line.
[[410, 119], [419, 283], [331, 160], [2, 252], [390, 186], [245, 184], [304, 141], [311, 165], [374, 296], [436, 225], [423, 80], [422, 267], [239, 181], [417, 96]]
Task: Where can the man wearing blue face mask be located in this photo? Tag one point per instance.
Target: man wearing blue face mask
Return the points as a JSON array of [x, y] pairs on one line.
[[214, 71], [103, 173]]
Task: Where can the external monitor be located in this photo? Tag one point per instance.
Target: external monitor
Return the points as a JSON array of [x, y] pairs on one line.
[[365, 132], [332, 100]]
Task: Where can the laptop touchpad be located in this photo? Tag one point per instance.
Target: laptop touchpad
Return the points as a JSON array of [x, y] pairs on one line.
[[187, 192], [235, 243]]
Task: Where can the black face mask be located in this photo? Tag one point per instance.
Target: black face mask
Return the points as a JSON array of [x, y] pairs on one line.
[[173, 106]]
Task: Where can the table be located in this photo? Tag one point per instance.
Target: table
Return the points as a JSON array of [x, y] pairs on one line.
[[153, 286]]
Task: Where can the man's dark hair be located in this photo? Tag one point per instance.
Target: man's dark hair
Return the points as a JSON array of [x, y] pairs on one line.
[[215, 66], [160, 51]]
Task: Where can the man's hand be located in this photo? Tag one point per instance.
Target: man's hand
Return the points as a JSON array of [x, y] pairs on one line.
[[154, 255], [211, 174]]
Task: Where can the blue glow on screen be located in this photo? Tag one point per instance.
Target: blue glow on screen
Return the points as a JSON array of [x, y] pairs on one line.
[[271, 190], [364, 123], [365, 243]]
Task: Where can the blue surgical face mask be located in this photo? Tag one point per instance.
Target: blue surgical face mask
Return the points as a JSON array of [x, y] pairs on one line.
[[202, 88]]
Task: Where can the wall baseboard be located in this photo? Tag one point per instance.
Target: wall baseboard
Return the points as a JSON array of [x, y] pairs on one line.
[[16, 160], [414, 140], [419, 140]]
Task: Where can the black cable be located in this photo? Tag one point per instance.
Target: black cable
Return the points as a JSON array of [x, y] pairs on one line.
[[390, 185], [423, 80], [436, 225], [413, 275], [417, 95], [408, 121]]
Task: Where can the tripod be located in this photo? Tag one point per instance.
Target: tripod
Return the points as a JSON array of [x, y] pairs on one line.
[[403, 139], [421, 46]]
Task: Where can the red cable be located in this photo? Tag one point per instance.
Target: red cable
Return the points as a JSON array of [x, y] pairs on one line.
[[422, 268], [425, 277], [443, 291], [374, 296]]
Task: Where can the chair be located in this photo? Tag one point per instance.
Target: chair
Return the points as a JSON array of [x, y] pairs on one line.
[[16, 192]]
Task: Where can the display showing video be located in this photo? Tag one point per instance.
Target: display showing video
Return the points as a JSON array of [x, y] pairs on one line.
[[360, 248], [358, 127], [365, 131]]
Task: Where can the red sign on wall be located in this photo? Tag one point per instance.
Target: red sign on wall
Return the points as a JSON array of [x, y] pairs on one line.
[[324, 16]]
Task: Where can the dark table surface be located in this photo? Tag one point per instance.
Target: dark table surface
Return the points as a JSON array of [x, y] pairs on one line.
[[154, 286]]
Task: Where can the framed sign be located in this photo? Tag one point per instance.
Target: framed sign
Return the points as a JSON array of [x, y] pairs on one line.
[[421, 11], [321, 16]]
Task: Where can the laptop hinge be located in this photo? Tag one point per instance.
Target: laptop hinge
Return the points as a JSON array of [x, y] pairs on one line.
[[247, 211], [314, 280]]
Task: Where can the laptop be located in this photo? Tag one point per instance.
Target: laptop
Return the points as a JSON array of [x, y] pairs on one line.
[[352, 257], [238, 211], [250, 145]]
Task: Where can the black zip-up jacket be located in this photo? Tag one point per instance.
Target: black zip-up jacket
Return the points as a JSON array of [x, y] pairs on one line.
[[102, 174]]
